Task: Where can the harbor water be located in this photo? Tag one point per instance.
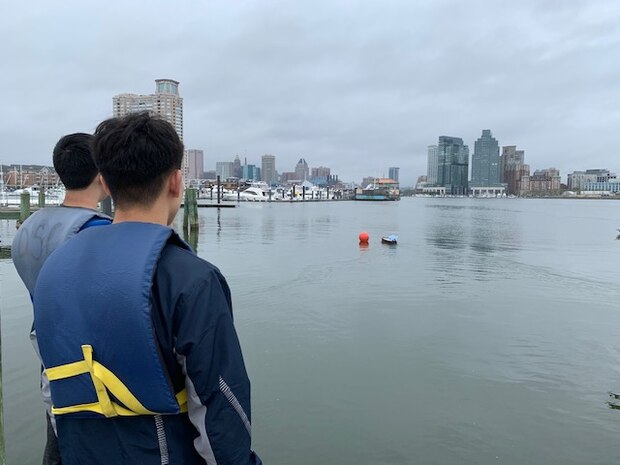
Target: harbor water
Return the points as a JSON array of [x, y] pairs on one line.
[[489, 335]]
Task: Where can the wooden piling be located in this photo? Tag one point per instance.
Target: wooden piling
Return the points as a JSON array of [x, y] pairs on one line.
[[41, 198], [190, 210], [219, 192], [24, 206]]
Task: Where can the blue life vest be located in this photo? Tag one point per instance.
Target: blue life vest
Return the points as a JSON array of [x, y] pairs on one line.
[[93, 321]]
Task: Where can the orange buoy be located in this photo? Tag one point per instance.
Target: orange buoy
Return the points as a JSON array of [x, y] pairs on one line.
[[364, 237]]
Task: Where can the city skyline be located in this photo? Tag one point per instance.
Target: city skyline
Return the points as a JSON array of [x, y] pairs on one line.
[[357, 87]]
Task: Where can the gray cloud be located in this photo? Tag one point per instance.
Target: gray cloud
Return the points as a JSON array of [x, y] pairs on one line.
[[358, 86]]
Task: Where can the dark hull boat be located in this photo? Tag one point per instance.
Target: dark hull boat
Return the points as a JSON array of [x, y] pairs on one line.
[[391, 240]]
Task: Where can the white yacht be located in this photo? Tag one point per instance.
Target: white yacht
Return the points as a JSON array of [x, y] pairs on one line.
[[251, 194]]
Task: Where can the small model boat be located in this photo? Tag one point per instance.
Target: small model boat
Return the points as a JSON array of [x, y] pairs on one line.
[[391, 239]]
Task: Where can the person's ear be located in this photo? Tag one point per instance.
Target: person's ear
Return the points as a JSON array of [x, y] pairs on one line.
[[104, 185], [175, 184]]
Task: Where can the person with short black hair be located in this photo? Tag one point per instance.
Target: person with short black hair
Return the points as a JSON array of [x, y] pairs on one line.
[[49, 227], [73, 161], [146, 367]]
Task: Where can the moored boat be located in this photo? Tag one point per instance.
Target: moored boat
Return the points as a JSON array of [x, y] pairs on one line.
[[392, 239]]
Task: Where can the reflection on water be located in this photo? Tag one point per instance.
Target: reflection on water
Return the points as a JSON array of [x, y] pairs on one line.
[[467, 239], [191, 238], [481, 338]]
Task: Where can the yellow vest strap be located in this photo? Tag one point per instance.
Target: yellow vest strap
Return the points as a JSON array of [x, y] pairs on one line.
[[103, 380]]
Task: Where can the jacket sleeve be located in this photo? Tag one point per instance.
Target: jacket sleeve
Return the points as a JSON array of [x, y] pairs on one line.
[[217, 384]]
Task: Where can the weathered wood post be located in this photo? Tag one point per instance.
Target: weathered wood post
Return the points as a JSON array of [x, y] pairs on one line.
[[270, 195], [186, 211], [327, 194], [41, 198], [238, 192], [293, 193], [193, 219], [219, 192], [190, 210], [303, 192], [24, 206]]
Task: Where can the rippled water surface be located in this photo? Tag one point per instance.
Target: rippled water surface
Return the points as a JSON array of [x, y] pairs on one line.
[[490, 334]]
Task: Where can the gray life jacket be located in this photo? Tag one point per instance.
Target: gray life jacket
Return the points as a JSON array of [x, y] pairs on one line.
[[41, 234]]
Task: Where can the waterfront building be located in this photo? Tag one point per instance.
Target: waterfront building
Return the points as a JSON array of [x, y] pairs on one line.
[[320, 176], [381, 189], [224, 169], [289, 176], [513, 168], [250, 172], [542, 181], [320, 172], [302, 171], [194, 166], [268, 169], [18, 176], [165, 103], [237, 169], [453, 165], [369, 181], [332, 180], [211, 174], [577, 179], [485, 161], [394, 173], [433, 165], [602, 187]]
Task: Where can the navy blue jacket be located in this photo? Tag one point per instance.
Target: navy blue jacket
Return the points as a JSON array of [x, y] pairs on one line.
[[193, 324]]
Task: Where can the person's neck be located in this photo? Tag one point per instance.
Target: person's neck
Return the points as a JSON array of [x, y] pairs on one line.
[[82, 198], [154, 214]]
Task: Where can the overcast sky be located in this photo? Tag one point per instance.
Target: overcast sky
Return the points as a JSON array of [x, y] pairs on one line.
[[354, 85]]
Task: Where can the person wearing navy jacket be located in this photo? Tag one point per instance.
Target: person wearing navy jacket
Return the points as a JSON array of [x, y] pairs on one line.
[[135, 331]]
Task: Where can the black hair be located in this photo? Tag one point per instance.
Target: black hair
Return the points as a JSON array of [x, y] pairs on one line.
[[73, 160], [135, 154]]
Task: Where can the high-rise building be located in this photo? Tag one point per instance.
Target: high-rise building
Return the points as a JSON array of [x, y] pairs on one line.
[[251, 172], [453, 165], [394, 173], [268, 169], [302, 171], [512, 168], [320, 176], [195, 164], [224, 169], [432, 167], [485, 161], [237, 168], [320, 172], [369, 181], [165, 102]]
